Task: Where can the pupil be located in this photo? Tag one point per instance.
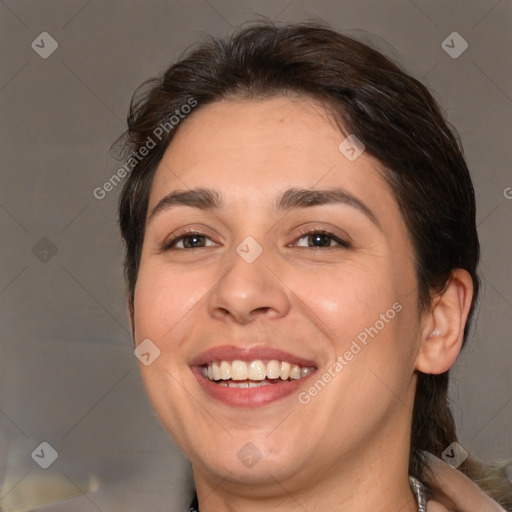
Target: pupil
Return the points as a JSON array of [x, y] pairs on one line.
[[319, 240], [194, 241]]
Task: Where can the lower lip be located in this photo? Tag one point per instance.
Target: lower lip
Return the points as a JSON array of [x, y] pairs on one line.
[[249, 397]]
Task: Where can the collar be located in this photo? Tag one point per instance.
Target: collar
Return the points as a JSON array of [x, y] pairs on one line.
[[420, 492]]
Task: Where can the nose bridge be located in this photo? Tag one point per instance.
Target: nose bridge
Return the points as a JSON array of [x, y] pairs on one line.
[[248, 287]]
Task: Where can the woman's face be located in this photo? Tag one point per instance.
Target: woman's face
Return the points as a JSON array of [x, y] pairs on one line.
[[272, 253]]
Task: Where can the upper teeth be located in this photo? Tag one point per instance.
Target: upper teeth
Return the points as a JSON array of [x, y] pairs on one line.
[[254, 370]]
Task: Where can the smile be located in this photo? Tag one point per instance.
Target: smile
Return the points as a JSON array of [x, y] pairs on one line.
[[251, 374]]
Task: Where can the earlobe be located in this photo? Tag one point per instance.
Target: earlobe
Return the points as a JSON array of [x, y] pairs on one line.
[[443, 325]]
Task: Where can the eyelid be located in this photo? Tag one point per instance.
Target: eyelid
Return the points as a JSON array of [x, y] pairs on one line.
[[344, 242], [170, 242]]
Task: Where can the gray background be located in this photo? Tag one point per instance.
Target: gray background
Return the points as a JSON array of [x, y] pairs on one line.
[[67, 373]]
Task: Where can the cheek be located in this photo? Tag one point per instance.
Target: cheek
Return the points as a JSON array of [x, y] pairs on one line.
[[369, 320], [163, 298], [345, 300]]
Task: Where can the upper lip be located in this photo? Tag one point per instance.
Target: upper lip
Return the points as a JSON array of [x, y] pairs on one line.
[[262, 352]]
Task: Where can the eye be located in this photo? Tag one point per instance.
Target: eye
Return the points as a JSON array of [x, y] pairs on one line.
[[189, 240], [318, 239]]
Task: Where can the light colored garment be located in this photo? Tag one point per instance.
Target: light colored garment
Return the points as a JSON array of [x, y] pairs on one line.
[[462, 493]]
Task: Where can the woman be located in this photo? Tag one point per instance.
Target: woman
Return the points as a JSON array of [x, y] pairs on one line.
[[301, 261]]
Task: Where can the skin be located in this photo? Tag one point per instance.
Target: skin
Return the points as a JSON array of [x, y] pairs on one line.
[[348, 447]]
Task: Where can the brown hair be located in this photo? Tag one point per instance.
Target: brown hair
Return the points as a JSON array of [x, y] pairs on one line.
[[395, 117]]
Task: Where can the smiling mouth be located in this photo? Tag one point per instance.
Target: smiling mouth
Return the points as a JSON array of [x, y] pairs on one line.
[[252, 374]]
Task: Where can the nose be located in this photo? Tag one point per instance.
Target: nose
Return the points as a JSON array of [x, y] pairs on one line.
[[249, 291]]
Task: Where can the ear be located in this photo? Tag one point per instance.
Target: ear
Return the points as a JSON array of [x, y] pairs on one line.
[[443, 325]]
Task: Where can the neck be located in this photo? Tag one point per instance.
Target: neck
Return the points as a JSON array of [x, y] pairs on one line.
[[361, 483], [355, 496]]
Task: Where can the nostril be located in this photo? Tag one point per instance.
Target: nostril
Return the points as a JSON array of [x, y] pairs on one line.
[[263, 309]]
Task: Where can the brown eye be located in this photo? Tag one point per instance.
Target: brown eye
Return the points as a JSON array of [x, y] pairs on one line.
[[320, 239], [192, 241], [189, 240]]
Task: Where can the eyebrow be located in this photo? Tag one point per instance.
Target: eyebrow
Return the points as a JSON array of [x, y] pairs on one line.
[[305, 198], [293, 198], [201, 198]]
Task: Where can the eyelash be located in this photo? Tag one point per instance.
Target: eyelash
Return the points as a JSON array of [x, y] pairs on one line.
[[312, 232], [170, 244]]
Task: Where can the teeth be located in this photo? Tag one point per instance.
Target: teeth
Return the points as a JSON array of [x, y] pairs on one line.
[[256, 370], [250, 384], [238, 370], [304, 372], [241, 374], [284, 370], [295, 372], [273, 369], [216, 371], [225, 370]]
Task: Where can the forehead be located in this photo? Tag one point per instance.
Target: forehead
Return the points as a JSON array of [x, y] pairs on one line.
[[256, 147]]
